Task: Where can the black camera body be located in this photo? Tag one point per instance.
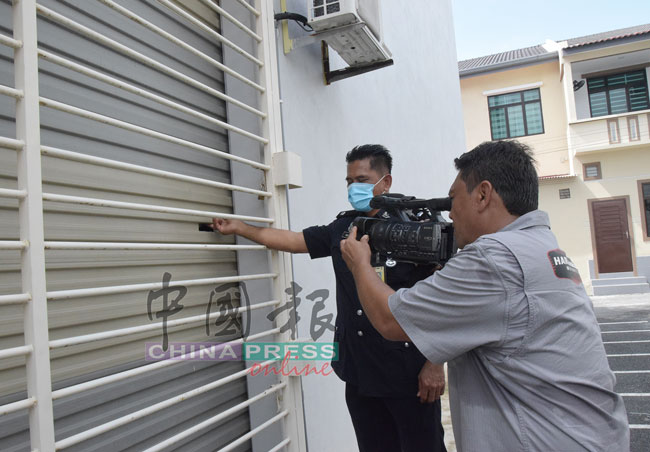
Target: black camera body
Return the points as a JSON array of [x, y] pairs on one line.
[[419, 235]]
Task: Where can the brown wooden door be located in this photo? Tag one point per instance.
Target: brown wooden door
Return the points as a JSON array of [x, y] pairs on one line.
[[613, 249]]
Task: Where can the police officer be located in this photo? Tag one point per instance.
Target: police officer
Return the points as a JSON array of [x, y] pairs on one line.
[[392, 391]]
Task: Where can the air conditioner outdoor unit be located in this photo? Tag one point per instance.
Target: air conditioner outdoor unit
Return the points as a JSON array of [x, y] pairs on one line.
[[351, 27]]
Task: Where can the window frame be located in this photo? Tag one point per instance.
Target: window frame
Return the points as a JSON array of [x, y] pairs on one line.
[[626, 86], [523, 104], [644, 223], [594, 164]]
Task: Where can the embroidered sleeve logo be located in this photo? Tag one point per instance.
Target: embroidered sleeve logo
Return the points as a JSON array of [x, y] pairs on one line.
[[563, 267]]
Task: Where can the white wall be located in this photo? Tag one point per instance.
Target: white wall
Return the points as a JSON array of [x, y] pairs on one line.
[[412, 107]]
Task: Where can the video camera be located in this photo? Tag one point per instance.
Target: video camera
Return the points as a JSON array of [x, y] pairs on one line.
[[420, 235]]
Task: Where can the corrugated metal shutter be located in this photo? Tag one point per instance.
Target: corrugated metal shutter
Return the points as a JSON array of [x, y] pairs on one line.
[[69, 269]]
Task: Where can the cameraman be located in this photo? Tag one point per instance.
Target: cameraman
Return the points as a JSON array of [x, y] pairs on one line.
[[527, 366], [384, 379]]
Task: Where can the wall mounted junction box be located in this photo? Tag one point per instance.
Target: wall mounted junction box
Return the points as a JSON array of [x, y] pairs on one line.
[[287, 169]]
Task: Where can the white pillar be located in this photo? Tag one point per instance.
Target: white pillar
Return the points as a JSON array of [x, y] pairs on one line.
[[291, 398], [30, 213], [570, 106]]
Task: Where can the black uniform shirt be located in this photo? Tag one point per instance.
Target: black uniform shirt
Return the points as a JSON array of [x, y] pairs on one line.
[[379, 367]]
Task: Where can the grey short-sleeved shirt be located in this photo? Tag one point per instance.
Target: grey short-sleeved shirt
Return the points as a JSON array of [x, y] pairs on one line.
[[527, 367]]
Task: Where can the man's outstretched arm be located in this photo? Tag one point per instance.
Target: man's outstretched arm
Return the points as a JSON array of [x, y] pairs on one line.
[[276, 239], [372, 291]]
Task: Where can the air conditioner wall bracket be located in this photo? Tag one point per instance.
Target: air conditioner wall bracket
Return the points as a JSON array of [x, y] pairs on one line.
[[340, 74]]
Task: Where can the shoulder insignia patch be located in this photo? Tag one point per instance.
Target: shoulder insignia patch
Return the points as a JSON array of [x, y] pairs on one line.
[[347, 213], [563, 267]]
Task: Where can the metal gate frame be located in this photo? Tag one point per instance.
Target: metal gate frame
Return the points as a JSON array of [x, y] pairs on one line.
[[32, 242]]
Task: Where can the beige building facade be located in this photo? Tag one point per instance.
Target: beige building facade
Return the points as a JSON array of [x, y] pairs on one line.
[[582, 105]]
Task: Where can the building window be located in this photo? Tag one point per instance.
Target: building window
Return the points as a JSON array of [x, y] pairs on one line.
[[613, 131], [618, 93], [592, 171], [516, 114], [633, 128], [565, 193], [644, 189]]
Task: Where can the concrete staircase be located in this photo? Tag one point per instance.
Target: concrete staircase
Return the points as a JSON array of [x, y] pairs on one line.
[[620, 284]]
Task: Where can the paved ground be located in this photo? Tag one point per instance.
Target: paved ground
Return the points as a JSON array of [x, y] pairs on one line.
[[625, 323], [446, 422]]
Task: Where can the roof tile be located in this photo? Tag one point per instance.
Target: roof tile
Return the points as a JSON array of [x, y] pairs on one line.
[[512, 56], [503, 57], [609, 35]]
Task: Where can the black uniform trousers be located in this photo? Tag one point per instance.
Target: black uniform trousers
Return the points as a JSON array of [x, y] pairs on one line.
[[395, 424]]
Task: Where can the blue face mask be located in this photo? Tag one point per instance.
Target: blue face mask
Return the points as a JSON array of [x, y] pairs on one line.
[[360, 194]]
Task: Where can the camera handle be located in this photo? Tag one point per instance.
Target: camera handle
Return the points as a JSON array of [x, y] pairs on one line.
[[398, 201]]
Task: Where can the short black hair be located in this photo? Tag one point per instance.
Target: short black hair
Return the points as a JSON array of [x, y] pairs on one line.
[[380, 159], [509, 166]]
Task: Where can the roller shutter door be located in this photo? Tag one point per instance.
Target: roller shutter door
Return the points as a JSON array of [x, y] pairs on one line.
[[106, 152]]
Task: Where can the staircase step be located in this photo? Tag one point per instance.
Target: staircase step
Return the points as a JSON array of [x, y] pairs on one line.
[[615, 275], [615, 281], [621, 289]]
